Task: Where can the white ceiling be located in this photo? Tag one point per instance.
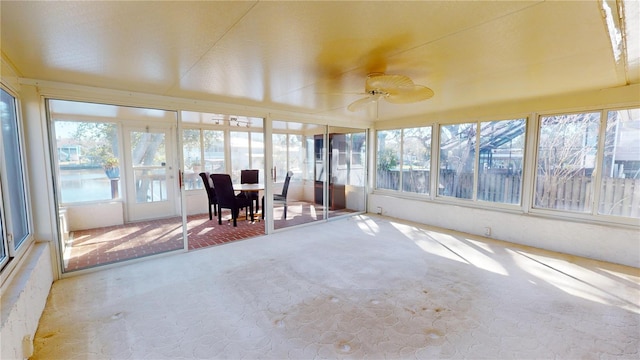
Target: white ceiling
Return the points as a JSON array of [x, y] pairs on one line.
[[312, 57]]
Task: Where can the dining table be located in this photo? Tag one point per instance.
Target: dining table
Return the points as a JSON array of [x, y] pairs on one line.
[[256, 187], [248, 187]]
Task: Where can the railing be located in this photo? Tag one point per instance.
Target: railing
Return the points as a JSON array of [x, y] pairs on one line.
[[619, 197]]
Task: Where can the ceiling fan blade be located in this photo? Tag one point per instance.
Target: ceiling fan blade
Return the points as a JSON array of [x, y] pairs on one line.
[[386, 82], [410, 94], [360, 103]]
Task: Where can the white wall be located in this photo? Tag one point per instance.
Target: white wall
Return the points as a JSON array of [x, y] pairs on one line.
[[90, 216], [602, 242], [355, 197], [24, 300], [197, 202]]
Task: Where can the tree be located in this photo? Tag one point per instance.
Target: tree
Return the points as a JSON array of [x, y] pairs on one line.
[[567, 148], [456, 151], [99, 140], [146, 150]]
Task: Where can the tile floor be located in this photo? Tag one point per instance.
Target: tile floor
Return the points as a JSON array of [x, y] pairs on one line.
[[107, 245], [359, 287]]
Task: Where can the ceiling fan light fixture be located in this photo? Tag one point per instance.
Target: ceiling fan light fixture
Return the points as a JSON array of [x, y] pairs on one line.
[[396, 89]]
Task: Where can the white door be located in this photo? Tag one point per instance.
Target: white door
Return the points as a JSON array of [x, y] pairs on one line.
[[151, 173]]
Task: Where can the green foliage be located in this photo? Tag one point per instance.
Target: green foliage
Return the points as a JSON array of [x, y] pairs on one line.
[[110, 163], [387, 159], [99, 141]]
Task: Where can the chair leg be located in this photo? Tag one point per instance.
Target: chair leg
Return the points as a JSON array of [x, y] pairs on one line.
[[210, 215], [262, 215], [285, 211], [234, 215], [220, 217], [215, 209]]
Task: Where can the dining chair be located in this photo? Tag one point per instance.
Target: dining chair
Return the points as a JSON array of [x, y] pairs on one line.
[[282, 197], [228, 199], [250, 176], [211, 194]]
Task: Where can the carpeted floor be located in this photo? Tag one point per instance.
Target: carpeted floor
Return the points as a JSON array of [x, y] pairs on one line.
[[358, 287]]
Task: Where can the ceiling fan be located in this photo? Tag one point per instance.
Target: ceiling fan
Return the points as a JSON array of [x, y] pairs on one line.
[[396, 89]]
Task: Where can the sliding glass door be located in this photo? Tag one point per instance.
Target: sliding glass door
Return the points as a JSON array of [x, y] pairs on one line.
[[346, 180], [219, 144], [298, 153], [116, 177]]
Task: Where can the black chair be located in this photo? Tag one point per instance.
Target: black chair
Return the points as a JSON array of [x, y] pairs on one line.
[[228, 199], [211, 194], [250, 177], [281, 198]]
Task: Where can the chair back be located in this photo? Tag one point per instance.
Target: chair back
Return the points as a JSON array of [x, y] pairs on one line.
[[285, 187], [208, 186], [249, 176], [224, 189]]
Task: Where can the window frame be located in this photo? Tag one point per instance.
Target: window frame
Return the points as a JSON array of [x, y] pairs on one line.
[[529, 168], [290, 156], [201, 128], [14, 254], [592, 216], [228, 159], [596, 167], [473, 126], [599, 178], [401, 133]]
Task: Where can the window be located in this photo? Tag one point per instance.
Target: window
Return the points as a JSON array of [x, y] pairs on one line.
[[567, 146], [388, 159], [500, 161], [247, 152], [620, 183], [404, 157], [197, 158], [493, 167], [220, 143], [416, 159], [280, 152], [457, 148], [297, 162], [257, 152], [192, 158], [4, 256], [88, 160], [214, 151], [358, 149], [289, 154], [14, 213], [357, 145]]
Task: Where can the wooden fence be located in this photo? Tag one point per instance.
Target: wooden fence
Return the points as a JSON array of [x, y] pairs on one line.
[[619, 197]]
